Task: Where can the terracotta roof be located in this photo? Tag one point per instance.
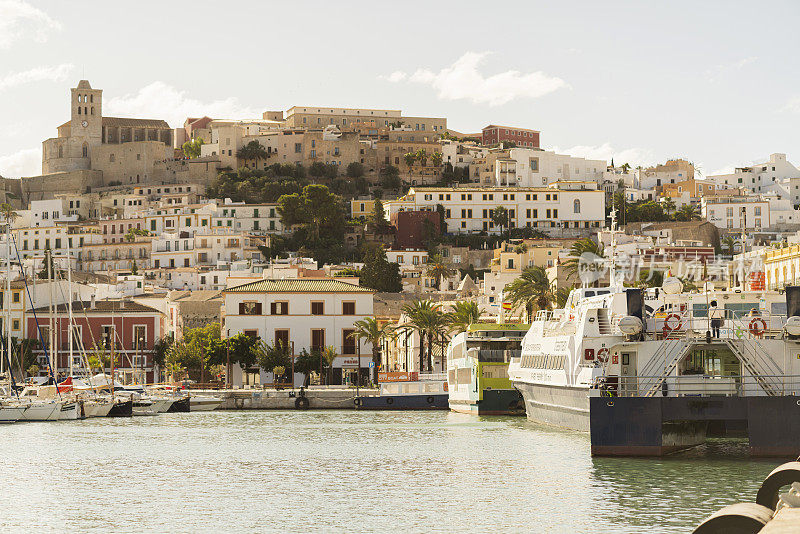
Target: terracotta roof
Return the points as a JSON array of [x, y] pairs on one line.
[[134, 123], [298, 285], [102, 306]]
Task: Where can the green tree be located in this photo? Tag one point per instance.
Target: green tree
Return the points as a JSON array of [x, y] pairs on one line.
[[500, 218], [436, 159], [729, 243], [578, 249], [390, 178], [439, 268], [463, 313], [687, 212], [308, 362], [317, 169], [410, 158], [272, 356], [380, 274], [329, 354], [369, 330], [427, 319], [355, 170], [252, 151], [191, 149], [532, 291], [377, 218]]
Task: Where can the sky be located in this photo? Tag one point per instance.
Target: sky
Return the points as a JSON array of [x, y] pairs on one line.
[[716, 83]]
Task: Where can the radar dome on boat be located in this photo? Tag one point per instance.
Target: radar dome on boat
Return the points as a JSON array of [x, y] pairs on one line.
[[630, 325], [792, 325], [672, 286]]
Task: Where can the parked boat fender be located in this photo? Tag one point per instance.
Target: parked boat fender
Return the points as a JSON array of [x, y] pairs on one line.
[[430, 400], [389, 400], [301, 403], [744, 517], [783, 475]]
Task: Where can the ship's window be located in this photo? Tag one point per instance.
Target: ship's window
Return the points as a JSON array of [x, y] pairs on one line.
[[589, 294]]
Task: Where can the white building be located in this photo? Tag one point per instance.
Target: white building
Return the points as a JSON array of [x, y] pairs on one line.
[[529, 167], [750, 213], [563, 208], [759, 176], [303, 314]]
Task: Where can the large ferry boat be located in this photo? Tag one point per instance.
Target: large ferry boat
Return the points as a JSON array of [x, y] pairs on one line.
[[647, 372], [477, 369]]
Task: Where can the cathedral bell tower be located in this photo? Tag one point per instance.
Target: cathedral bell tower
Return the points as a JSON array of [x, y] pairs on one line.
[[86, 126]]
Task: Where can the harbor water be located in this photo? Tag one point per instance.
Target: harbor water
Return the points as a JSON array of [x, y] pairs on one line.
[[346, 471]]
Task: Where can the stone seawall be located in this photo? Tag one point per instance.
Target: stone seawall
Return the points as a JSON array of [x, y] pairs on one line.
[[286, 399]]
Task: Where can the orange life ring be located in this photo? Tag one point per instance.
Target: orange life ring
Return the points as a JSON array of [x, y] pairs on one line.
[[671, 316], [754, 328], [602, 355]]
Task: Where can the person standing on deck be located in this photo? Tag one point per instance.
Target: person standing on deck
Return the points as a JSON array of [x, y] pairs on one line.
[[716, 314]]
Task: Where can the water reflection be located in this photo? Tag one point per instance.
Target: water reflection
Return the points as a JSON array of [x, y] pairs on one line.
[[347, 471]]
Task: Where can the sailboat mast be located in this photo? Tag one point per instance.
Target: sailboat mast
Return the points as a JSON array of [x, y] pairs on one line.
[[69, 303], [7, 299], [48, 258]]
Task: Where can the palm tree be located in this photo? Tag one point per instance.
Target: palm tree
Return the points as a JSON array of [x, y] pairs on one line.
[[687, 212], [369, 330], [328, 355], [500, 218], [668, 205], [620, 204], [463, 314], [439, 268], [531, 291], [252, 150], [436, 159], [729, 244], [427, 319], [410, 158], [578, 249]]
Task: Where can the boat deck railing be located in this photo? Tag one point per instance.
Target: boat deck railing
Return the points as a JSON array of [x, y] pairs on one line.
[[698, 386], [736, 324]]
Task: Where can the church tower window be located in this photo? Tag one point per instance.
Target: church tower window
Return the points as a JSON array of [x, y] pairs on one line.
[[85, 150], [60, 151], [79, 110]]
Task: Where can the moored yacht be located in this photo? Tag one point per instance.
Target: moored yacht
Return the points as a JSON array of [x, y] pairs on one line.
[[477, 369], [649, 372]]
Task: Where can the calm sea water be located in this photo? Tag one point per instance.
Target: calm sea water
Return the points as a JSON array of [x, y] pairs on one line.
[[344, 471]]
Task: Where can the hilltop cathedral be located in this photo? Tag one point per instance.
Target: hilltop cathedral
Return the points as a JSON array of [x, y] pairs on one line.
[[92, 151]]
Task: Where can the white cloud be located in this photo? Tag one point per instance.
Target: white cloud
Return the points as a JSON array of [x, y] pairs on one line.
[[792, 105], [462, 80], [26, 162], [162, 101], [632, 156], [55, 73], [722, 69], [396, 76], [20, 19]]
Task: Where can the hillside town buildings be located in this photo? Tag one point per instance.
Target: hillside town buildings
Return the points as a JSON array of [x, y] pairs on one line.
[[130, 215]]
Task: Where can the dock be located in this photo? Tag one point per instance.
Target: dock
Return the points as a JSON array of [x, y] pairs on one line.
[[316, 398]]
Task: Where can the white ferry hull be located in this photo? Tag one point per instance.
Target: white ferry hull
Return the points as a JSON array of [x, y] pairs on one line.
[[562, 406]]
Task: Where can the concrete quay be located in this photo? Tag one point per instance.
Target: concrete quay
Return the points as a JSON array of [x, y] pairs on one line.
[[317, 398]]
